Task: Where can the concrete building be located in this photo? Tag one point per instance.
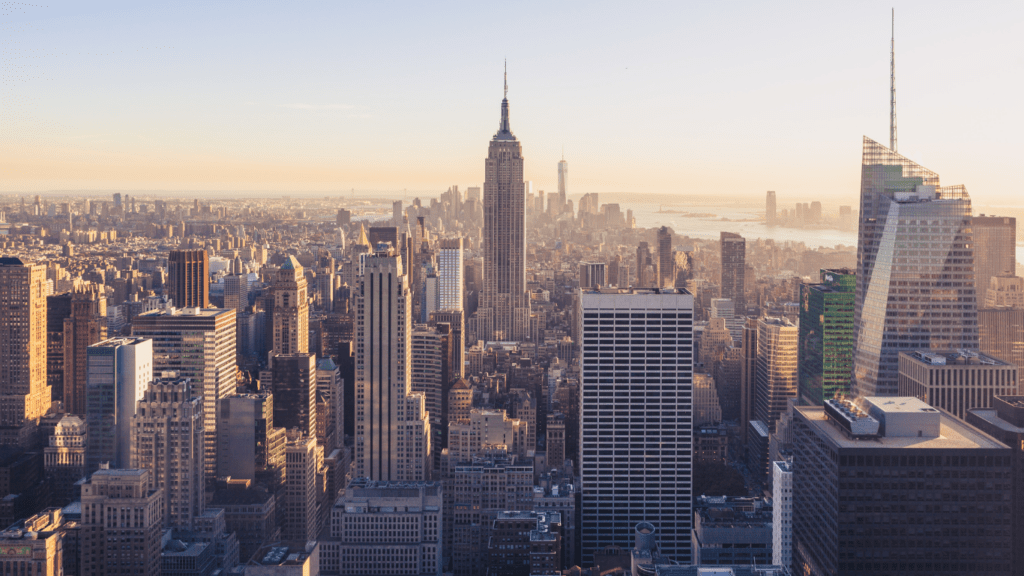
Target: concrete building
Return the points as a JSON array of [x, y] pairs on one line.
[[706, 408], [293, 383], [198, 344], [330, 388], [660, 322], [120, 370], [64, 459], [291, 309], [24, 393], [188, 278], [85, 326], [732, 531], [456, 356], [34, 545], [236, 292], [525, 542], [167, 439], [593, 275], [777, 367], [846, 522], [450, 275], [299, 507], [392, 428], [555, 440], [955, 380], [250, 512], [666, 259], [385, 529], [504, 312], [1004, 421], [734, 269], [122, 522], [782, 513], [725, 308], [1001, 320], [287, 558], [428, 380], [899, 305], [486, 429], [460, 402], [250, 446], [748, 376], [996, 236], [825, 353]]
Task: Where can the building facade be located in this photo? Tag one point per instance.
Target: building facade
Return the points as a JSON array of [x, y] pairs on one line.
[[120, 370], [734, 269], [85, 326], [776, 377], [188, 278], [291, 309], [956, 380], [997, 238], [619, 385], [826, 336], [24, 393], [122, 522]]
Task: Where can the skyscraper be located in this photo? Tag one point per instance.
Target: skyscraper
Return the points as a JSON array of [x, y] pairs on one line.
[[122, 521], [427, 379], [250, 446], [666, 260], [995, 240], [86, 326], [776, 380], [300, 498], [826, 336], [563, 182], [188, 278], [1001, 320], [734, 267], [769, 208], [24, 394], [636, 474], [392, 431], [748, 376], [291, 309], [198, 344], [119, 371], [504, 312], [293, 383], [915, 275], [236, 292], [167, 439], [450, 274]]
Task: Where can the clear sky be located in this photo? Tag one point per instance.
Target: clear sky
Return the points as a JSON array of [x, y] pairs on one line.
[[677, 97]]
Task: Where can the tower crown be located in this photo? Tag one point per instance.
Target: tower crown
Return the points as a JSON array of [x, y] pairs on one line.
[[504, 130]]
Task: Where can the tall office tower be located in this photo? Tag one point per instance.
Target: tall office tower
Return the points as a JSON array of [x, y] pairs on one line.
[[956, 380], [776, 382], [504, 311], [249, 445], [58, 309], [826, 336], [456, 320], [450, 273], [915, 268], [291, 309], [593, 275], [713, 343], [188, 278], [563, 182], [392, 430], [293, 384], [646, 266], [1001, 320], [995, 254], [363, 529], [892, 442], [236, 292], [666, 259], [198, 344], [1005, 422], [300, 501], [120, 370], [769, 208], [555, 440], [427, 379], [167, 439], [659, 390], [748, 376], [122, 523], [330, 387], [86, 326], [734, 269], [782, 513], [64, 459], [24, 393], [726, 308], [397, 214]]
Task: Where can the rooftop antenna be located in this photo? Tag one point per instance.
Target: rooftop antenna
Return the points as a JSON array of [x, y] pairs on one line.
[[892, 85], [506, 78]]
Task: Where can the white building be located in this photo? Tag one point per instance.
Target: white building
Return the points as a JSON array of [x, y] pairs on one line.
[[782, 513], [119, 371], [486, 429], [636, 351]]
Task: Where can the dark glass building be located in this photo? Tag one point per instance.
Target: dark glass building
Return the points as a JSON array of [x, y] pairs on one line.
[[188, 278], [734, 269], [826, 336], [294, 387], [890, 485]]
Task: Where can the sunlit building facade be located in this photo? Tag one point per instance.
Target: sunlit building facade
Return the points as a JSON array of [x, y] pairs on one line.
[[826, 336]]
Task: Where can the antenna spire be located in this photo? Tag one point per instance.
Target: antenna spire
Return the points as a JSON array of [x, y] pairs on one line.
[[506, 78], [892, 85]]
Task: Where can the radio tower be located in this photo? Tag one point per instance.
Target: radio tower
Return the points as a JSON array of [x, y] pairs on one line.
[[892, 85]]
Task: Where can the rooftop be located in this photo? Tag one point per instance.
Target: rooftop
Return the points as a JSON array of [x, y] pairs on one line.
[[954, 358]]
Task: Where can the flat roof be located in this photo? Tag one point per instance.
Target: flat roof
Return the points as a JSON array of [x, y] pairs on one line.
[[955, 358], [952, 433], [991, 416]]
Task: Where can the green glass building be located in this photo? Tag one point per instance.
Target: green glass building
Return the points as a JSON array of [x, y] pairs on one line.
[[826, 336]]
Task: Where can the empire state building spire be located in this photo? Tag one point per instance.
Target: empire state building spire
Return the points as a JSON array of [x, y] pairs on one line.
[[504, 130]]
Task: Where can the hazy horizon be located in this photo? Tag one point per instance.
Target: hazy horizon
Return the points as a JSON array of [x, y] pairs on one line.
[[310, 100]]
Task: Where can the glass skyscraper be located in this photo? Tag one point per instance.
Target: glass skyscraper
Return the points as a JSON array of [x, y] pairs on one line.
[[915, 268], [826, 336]]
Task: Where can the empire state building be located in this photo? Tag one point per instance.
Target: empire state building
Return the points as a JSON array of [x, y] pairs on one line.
[[504, 312]]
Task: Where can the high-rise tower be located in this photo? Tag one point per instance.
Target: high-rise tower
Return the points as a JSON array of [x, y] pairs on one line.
[[504, 312], [86, 326], [734, 269], [915, 268], [291, 309], [563, 181], [188, 278], [24, 393], [769, 208]]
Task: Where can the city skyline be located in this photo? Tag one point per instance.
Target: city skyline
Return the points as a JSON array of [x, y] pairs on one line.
[[81, 113]]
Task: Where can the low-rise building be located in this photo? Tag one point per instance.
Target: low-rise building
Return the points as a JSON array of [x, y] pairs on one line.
[[525, 542], [732, 530], [35, 544], [955, 380]]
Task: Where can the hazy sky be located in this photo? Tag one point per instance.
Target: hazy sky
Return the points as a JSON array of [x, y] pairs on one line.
[[692, 98]]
